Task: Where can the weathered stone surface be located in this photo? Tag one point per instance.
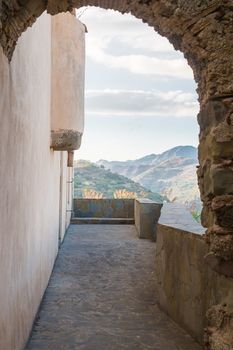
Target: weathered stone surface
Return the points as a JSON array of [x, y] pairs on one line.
[[102, 296], [223, 208], [146, 213], [103, 208], [222, 245], [219, 265], [54, 6], [207, 216], [219, 335], [187, 287], [221, 180], [15, 18], [65, 140], [212, 113], [215, 176]]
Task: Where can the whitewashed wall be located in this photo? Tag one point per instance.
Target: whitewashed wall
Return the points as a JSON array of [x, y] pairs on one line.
[[30, 187]]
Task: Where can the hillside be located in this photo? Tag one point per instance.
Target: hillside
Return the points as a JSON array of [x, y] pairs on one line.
[[172, 173], [88, 176]]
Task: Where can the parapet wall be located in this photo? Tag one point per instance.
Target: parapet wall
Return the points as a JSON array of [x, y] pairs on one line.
[[103, 208], [187, 287]]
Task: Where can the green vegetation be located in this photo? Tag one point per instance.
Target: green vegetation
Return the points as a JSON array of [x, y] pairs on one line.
[[194, 207], [196, 216], [90, 179]]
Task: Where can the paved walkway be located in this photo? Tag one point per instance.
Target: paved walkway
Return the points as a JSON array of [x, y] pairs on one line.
[[102, 296]]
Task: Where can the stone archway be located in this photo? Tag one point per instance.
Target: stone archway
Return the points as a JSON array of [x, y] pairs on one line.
[[203, 31]]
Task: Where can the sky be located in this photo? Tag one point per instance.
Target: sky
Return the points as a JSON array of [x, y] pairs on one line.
[[140, 94]]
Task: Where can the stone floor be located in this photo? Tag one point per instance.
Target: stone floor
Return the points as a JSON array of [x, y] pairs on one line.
[[102, 296]]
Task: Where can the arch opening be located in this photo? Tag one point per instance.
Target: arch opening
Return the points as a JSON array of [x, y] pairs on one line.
[[203, 32], [140, 100]]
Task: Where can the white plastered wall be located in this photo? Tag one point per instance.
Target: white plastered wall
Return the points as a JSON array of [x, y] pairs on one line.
[[68, 71], [30, 188]]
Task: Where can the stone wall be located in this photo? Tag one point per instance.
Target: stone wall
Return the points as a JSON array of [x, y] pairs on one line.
[[104, 208], [34, 199], [187, 287]]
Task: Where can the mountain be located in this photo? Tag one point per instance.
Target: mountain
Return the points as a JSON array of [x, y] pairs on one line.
[[171, 173], [88, 176]]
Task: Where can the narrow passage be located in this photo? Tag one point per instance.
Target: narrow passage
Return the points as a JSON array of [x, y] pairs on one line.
[[102, 296]]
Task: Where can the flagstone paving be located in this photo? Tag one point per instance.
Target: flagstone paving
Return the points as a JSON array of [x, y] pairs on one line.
[[102, 296]]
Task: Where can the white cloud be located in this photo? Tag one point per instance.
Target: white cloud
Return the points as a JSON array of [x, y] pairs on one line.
[[138, 103], [139, 46], [141, 64], [125, 27]]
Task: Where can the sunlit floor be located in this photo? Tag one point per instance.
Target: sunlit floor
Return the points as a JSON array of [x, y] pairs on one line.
[[102, 296]]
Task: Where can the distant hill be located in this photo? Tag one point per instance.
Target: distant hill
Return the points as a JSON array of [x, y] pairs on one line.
[[88, 176], [172, 172]]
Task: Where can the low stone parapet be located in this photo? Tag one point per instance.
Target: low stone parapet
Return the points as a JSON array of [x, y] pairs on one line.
[[103, 208], [146, 214], [187, 289]]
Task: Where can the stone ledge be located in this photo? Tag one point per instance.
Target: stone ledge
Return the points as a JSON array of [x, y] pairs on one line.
[[65, 140], [102, 221]]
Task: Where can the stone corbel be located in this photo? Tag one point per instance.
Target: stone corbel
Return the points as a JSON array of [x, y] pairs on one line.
[[65, 140]]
